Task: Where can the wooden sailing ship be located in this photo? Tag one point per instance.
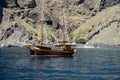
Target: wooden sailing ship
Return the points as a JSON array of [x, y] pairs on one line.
[[62, 48]]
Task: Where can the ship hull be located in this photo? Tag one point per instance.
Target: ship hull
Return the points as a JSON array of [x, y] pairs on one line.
[[49, 52]]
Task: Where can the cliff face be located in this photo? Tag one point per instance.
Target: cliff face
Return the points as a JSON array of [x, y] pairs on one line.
[[18, 3], [23, 18], [11, 31], [102, 29], [106, 3]]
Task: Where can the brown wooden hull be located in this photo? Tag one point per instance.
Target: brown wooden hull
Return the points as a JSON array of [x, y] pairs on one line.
[[48, 52]]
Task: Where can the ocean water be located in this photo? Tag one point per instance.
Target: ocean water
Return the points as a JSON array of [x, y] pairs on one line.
[[16, 63]]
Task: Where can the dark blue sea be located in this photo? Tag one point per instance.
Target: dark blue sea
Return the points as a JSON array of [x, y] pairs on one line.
[[16, 63]]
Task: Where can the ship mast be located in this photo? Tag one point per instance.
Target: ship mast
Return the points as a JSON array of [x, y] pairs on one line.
[[41, 25], [64, 31], [63, 25]]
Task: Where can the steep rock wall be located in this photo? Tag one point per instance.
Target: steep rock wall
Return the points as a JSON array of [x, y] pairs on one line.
[[106, 3], [77, 12]]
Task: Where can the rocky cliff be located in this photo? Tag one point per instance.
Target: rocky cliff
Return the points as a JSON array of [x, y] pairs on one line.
[[102, 29], [19, 21]]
